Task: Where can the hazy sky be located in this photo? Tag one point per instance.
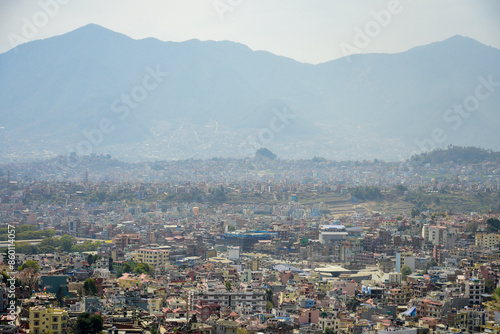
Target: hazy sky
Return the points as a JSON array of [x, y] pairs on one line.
[[307, 30]]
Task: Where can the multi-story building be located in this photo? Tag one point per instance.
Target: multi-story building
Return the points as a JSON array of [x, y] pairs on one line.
[[9, 329], [102, 262], [349, 249], [154, 305], [279, 327], [437, 235], [226, 327], [365, 258], [156, 257], [425, 232], [122, 241], [474, 288], [476, 319], [487, 240], [491, 327], [205, 310], [246, 240], [44, 320], [421, 288], [468, 320], [429, 308], [306, 316], [395, 278], [130, 281], [252, 300], [399, 296]]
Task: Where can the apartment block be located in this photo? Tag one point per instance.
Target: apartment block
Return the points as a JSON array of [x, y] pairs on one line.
[[44, 320], [250, 300]]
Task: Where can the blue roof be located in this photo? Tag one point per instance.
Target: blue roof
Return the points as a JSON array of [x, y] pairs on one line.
[[410, 311], [283, 267], [327, 227]]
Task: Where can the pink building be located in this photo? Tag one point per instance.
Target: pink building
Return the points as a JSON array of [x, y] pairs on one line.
[[307, 316]]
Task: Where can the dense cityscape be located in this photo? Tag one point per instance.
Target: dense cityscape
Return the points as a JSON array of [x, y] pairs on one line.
[[249, 167], [256, 245]]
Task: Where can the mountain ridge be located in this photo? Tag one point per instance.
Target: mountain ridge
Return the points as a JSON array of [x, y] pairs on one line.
[[69, 83]]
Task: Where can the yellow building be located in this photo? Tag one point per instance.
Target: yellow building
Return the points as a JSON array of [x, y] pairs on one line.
[[287, 296], [128, 281], [314, 278], [43, 320], [487, 240], [324, 286], [211, 253], [404, 255], [156, 257], [344, 324], [254, 264], [492, 327], [155, 305]]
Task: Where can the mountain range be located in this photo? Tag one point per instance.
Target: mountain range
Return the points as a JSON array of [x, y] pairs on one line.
[[93, 90]]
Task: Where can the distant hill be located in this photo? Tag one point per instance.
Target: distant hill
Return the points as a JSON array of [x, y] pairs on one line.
[[264, 153], [176, 100], [457, 154]]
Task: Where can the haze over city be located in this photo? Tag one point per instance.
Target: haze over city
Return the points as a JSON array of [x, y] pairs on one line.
[[247, 167]]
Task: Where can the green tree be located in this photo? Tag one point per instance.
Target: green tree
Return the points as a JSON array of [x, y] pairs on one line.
[[405, 271], [5, 277], [366, 193], [431, 263], [269, 295], [90, 287], [110, 263], [66, 242], [489, 286], [231, 228], [220, 194], [151, 269], [126, 267], [304, 241], [352, 304], [29, 264], [471, 227], [400, 189], [492, 225], [228, 285], [23, 247], [141, 268], [91, 259], [328, 330], [48, 245], [88, 324]]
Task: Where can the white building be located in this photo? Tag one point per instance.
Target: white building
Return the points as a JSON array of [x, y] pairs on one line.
[[252, 300], [233, 252]]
